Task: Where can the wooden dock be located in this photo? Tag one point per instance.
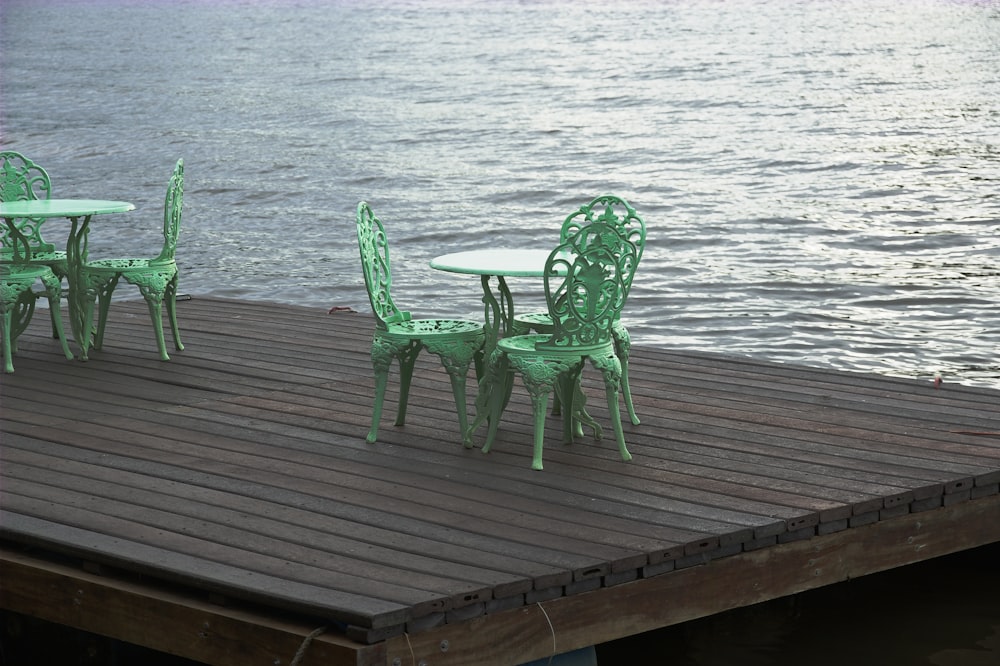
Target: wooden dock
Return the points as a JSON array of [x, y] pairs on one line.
[[224, 506]]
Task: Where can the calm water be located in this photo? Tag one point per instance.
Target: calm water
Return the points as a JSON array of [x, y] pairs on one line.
[[821, 179]]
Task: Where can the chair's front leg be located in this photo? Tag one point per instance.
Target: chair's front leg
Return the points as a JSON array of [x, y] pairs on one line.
[[384, 350], [568, 394], [496, 387], [155, 307], [541, 375], [21, 313], [623, 348], [407, 354], [539, 408], [457, 356], [171, 298], [53, 289], [153, 287], [611, 370], [7, 342], [104, 293]]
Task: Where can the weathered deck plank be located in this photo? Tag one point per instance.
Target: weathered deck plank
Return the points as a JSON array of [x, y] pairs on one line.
[[240, 468]]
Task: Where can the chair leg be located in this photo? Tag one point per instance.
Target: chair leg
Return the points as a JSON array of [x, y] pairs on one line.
[[481, 405], [6, 323], [56, 330], [616, 422], [20, 315], [557, 400], [17, 304], [540, 377], [486, 378], [627, 393], [381, 379], [623, 347], [458, 381], [407, 356], [61, 273], [610, 368], [456, 356], [171, 299], [499, 378], [102, 291], [55, 319], [539, 408], [53, 289], [155, 304], [383, 351], [576, 405], [480, 364], [569, 394]]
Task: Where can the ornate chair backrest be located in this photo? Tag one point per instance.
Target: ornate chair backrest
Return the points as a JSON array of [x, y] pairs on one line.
[[610, 210], [172, 205], [374, 247], [587, 280], [23, 180]]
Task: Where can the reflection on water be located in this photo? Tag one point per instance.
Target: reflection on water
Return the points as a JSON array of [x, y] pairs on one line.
[[945, 612]]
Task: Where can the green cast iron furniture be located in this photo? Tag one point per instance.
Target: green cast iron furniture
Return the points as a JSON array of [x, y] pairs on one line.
[[23, 180], [615, 211], [79, 212], [17, 303], [587, 280], [156, 278], [499, 263], [457, 342]]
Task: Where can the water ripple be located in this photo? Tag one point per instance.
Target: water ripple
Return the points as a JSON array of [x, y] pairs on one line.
[[819, 180]]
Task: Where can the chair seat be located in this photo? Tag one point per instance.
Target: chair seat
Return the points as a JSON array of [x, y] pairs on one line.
[[534, 320], [527, 345], [125, 264], [38, 257], [22, 273], [17, 304], [425, 328]]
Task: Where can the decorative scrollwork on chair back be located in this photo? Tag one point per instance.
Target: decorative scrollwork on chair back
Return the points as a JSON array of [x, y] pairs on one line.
[[374, 247], [587, 280]]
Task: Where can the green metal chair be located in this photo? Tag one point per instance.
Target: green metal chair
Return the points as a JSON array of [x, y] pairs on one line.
[[23, 180], [613, 210], [17, 303], [156, 278], [457, 342], [587, 280]]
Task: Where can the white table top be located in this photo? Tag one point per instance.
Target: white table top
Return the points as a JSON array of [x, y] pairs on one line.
[[499, 261], [62, 207]]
